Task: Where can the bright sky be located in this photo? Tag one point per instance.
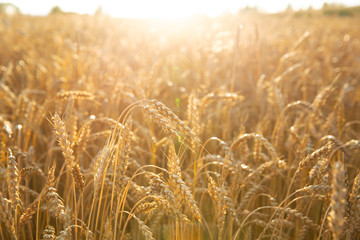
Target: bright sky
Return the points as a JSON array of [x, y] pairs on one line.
[[164, 8]]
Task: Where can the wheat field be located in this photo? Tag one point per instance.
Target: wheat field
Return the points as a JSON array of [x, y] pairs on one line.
[[240, 127]]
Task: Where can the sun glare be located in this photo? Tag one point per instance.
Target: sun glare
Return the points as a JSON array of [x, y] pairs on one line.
[[165, 9], [162, 9]]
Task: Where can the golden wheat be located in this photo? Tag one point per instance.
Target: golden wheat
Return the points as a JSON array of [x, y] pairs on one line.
[[196, 129]]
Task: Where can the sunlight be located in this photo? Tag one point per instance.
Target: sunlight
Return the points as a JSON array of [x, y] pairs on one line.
[[165, 9], [162, 9]]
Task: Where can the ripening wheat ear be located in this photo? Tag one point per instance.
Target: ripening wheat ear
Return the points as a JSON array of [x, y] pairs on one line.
[[214, 191], [163, 197], [62, 135], [102, 161], [83, 95], [13, 180], [310, 159], [166, 112], [53, 198], [6, 213], [77, 176], [5, 134], [167, 120], [49, 233], [338, 202], [30, 211], [224, 204], [176, 181], [146, 231], [67, 151], [259, 138]]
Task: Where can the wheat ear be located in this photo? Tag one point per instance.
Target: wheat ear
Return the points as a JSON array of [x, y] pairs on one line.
[[67, 151], [13, 180], [338, 204], [49, 233]]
